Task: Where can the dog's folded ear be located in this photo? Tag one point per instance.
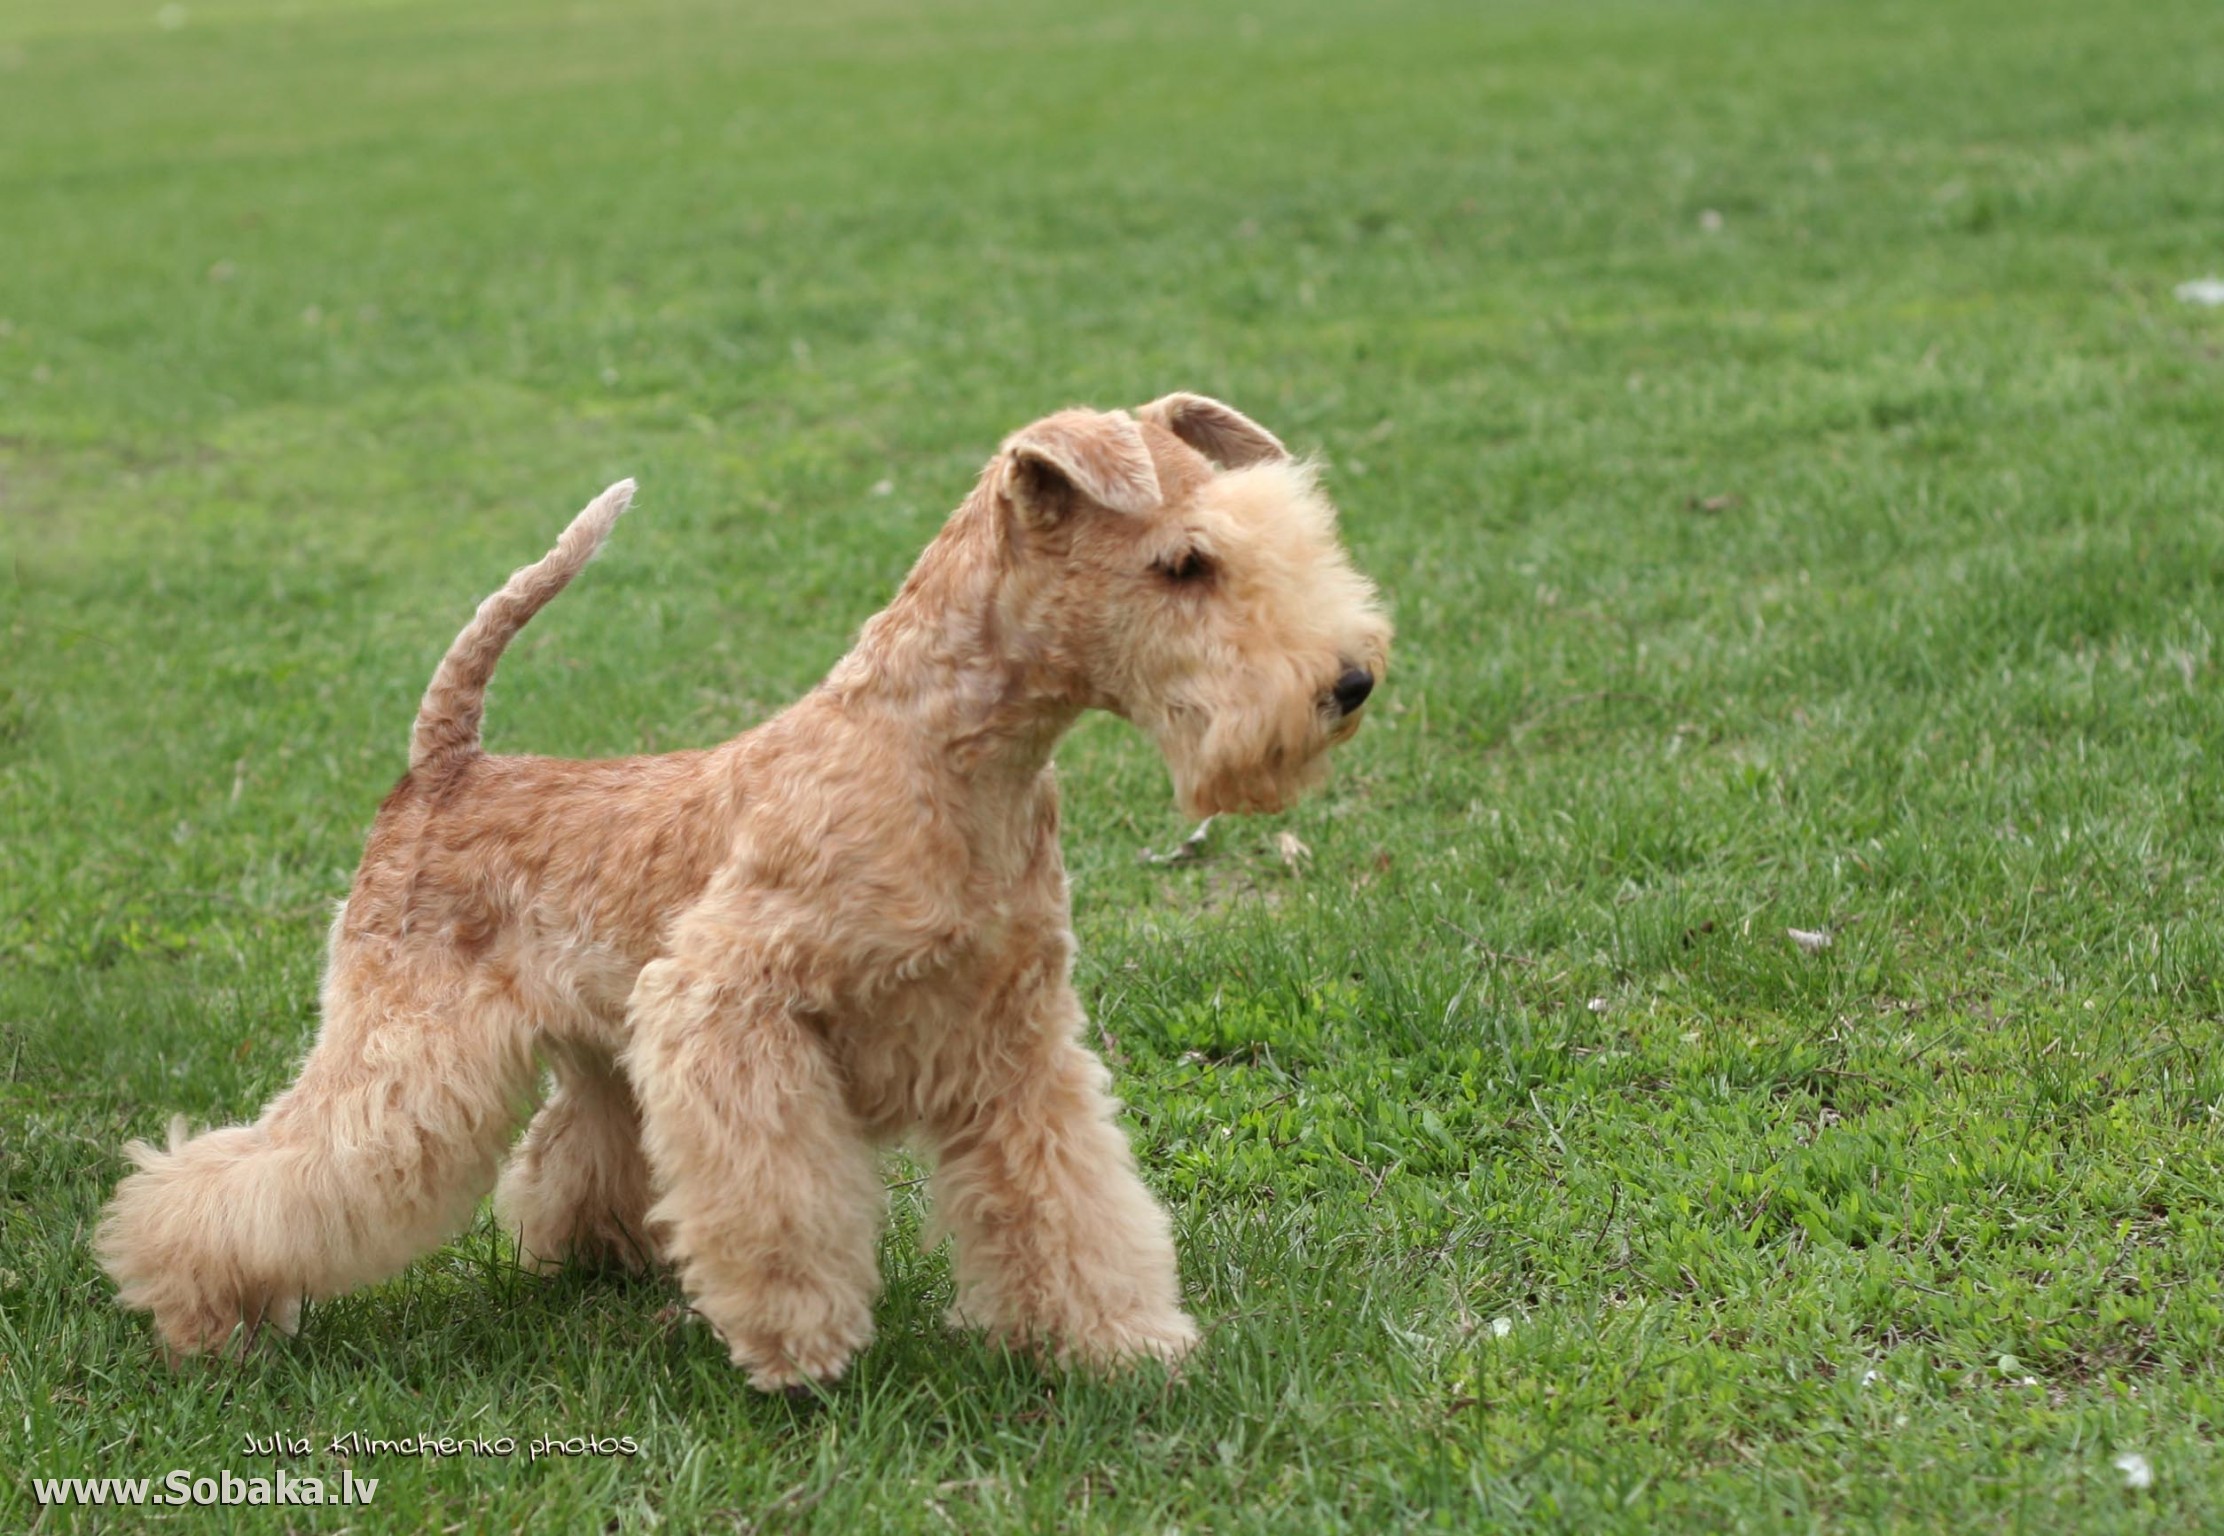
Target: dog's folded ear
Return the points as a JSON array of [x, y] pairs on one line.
[[1096, 455], [1220, 432]]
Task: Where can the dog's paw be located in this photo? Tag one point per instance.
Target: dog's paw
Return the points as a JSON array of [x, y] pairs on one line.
[[227, 1326], [783, 1361], [1116, 1344], [1101, 1345], [788, 1364]]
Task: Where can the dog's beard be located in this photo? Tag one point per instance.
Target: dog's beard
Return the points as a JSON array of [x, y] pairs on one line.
[[1261, 757]]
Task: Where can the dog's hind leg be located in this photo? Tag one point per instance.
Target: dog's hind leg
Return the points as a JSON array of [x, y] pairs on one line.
[[380, 1150], [577, 1186]]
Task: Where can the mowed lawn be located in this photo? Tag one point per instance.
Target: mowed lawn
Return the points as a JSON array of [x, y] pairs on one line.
[[1802, 501]]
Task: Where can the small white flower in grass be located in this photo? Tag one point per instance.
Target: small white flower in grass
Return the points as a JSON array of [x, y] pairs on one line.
[[2136, 1470], [1809, 942], [1870, 1377], [1501, 1326], [2203, 290], [1597, 1005]]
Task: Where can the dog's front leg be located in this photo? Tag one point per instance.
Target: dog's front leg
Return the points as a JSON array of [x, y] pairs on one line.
[[768, 1189], [1059, 1245]]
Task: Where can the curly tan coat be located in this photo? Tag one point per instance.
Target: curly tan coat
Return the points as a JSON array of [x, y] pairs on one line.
[[746, 967]]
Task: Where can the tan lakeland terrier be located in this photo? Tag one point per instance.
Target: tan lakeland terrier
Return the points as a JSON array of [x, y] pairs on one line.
[[747, 966]]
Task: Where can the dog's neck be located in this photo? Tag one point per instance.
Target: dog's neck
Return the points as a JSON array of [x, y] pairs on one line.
[[937, 667]]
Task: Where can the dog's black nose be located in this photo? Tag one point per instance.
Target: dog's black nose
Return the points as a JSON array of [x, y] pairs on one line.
[[1352, 689]]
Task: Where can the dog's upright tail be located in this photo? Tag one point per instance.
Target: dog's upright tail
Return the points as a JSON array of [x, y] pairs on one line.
[[447, 726]]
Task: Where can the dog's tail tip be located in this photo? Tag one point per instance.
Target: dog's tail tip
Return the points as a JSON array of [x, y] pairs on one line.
[[603, 512], [447, 727]]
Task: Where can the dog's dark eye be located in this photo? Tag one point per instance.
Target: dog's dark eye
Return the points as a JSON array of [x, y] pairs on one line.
[[1183, 567]]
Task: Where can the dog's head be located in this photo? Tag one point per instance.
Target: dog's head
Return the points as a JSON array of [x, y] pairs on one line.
[[1177, 567]]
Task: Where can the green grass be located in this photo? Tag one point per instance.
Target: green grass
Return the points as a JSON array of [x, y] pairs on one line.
[[1803, 504]]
